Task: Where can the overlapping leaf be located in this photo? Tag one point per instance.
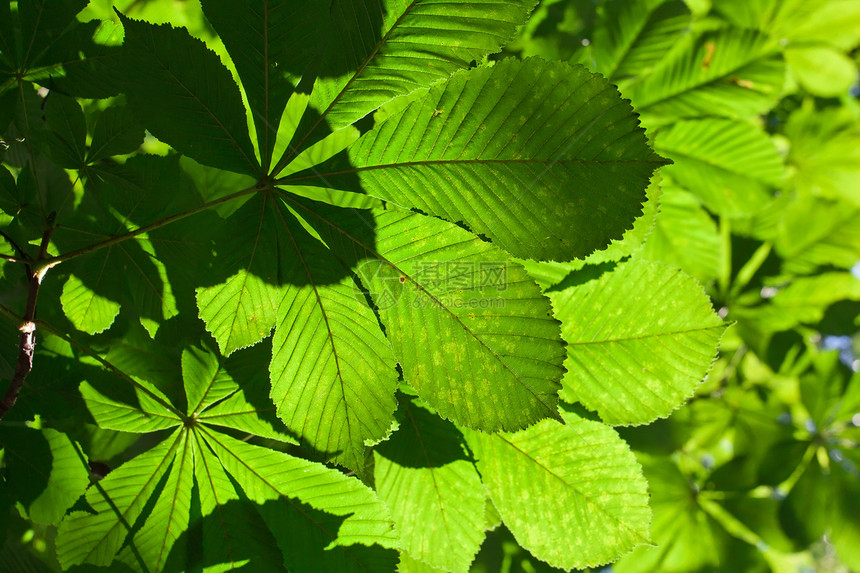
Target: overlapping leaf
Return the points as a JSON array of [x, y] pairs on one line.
[[545, 159], [184, 95], [469, 327], [333, 374], [133, 273], [271, 45], [194, 458], [433, 489], [45, 471], [380, 50], [572, 494], [635, 354], [41, 41], [685, 235]]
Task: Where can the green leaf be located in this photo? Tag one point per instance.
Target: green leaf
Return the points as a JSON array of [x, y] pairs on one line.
[[239, 413], [117, 502], [804, 301], [823, 71], [834, 22], [649, 358], [685, 235], [88, 310], [381, 50], [508, 151], [271, 44], [819, 503], [65, 131], [8, 52], [815, 233], [184, 95], [825, 152], [333, 373], [206, 382], [425, 476], [731, 73], [572, 494], [150, 413], [241, 310], [338, 523], [129, 273], [470, 329], [116, 133], [42, 22], [686, 538], [731, 166], [550, 273], [233, 534], [633, 37], [151, 544], [45, 471]]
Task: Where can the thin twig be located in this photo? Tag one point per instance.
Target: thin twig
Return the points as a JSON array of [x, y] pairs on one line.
[[48, 262], [27, 330]]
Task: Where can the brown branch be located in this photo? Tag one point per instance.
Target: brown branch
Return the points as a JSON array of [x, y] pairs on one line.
[[27, 330]]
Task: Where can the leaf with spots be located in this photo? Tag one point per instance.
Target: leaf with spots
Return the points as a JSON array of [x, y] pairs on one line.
[[572, 494], [425, 474], [470, 328], [332, 370], [634, 353]]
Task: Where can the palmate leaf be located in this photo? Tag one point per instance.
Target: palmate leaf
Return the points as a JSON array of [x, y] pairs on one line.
[[132, 272], [572, 494], [195, 458], [206, 381], [43, 42], [233, 533], [469, 327], [687, 538], [116, 133], [215, 398], [117, 503], [731, 166], [65, 131], [649, 358], [151, 412], [333, 373], [425, 476], [271, 44], [543, 158], [333, 518], [41, 23], [169, 517]]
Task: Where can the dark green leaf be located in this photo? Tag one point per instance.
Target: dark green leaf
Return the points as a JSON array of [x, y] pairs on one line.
[[185, 96]]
